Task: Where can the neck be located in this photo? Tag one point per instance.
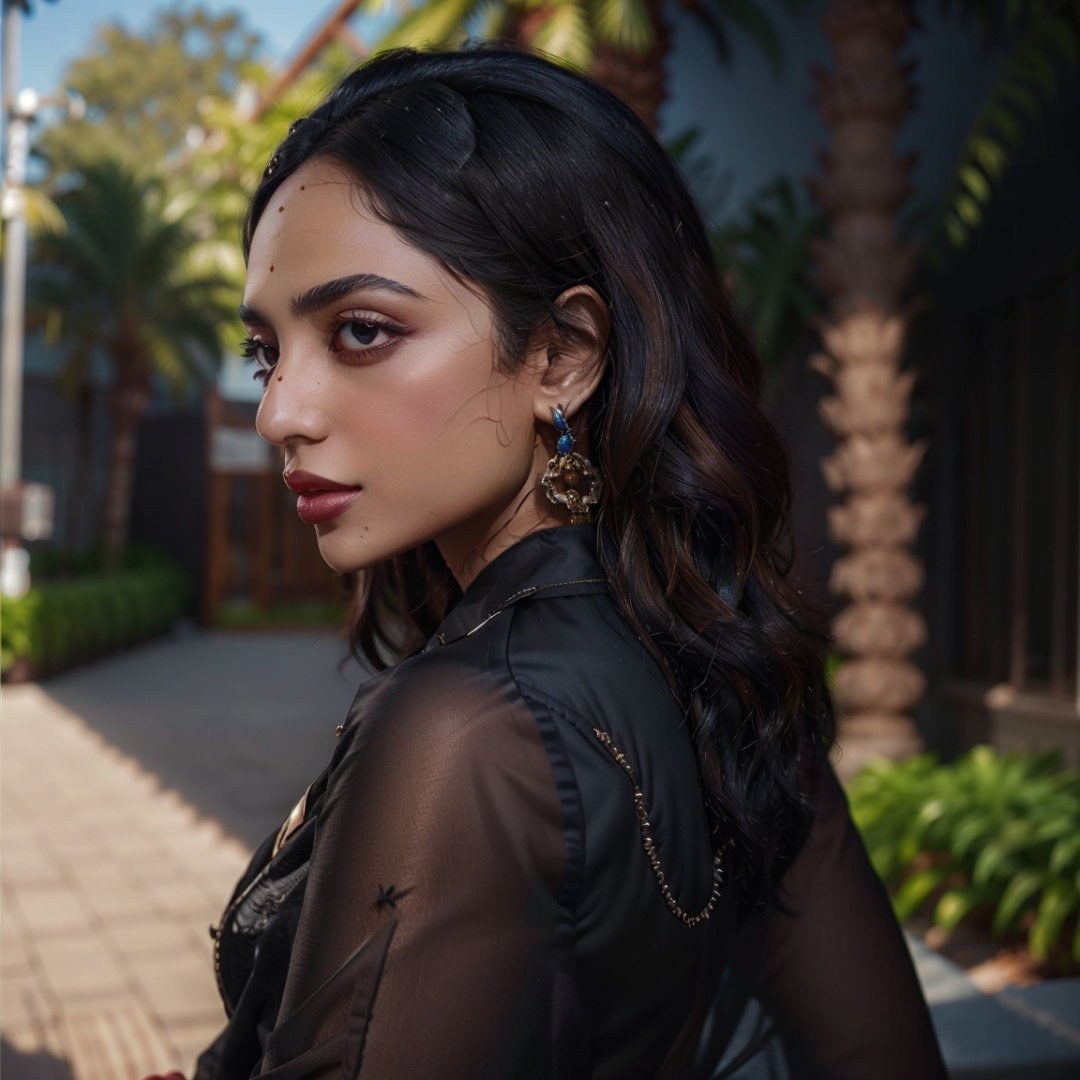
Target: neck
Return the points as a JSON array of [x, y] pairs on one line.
[[469, 548]]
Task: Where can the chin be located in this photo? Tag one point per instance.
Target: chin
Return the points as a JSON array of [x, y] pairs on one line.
[[345, 554], [349, 549]]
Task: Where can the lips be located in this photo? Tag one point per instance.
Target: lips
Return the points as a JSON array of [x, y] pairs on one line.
[[320, 500]]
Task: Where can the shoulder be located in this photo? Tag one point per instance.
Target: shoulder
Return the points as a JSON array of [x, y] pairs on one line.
[[579, 653], [442, 756], [445, 714]]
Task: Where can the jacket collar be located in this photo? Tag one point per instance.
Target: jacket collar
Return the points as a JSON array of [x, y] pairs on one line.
[[562, 561]]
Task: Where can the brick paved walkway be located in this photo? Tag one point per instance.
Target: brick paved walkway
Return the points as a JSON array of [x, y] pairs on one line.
[[109, 879]]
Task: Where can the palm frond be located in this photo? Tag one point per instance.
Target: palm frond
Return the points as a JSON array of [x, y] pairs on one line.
[[1028, 83], [624, 23], [436, 22], [565, 33], [129, 280], [43, 216]]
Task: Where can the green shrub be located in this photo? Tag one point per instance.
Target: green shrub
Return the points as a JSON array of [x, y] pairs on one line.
[[62, 622], [990, 836], [249, 617]]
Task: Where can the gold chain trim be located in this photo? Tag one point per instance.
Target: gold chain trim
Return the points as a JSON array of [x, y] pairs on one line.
[[650, 845]]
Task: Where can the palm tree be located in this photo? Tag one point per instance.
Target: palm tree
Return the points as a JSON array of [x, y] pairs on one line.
[[623, 42], [122, 283], [865, 268]]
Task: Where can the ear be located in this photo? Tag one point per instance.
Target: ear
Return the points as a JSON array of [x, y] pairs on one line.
[[571, 365]]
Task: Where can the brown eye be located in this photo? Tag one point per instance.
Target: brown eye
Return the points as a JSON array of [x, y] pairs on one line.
[[265, 357], [359, 334], [364, 335]]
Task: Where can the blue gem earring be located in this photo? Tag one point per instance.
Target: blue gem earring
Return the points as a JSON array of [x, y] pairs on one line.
[[570, 479]]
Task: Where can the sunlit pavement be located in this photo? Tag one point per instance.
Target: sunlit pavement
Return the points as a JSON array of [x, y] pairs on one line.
[[132, 793]]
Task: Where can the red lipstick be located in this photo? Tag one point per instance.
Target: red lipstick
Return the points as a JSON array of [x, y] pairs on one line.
[[320, 500]]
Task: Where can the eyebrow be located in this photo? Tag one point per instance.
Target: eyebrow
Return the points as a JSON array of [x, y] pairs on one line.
[[329, 292]]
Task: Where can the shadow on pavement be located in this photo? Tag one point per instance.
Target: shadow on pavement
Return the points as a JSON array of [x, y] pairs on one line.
[[237, 724], [40, 1065]]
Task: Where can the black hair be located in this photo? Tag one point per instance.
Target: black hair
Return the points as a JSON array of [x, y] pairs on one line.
[[526, 178]]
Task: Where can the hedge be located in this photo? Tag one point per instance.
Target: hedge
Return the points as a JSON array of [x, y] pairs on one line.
[[61, 623]]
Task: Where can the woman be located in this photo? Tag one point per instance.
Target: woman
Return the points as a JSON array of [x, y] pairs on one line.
[[583, 824]]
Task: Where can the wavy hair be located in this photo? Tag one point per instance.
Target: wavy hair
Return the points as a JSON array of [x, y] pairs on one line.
[[525, 178]]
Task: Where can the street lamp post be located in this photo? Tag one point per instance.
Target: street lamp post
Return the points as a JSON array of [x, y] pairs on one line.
[[25, 509], [20, 114], [14, 561]]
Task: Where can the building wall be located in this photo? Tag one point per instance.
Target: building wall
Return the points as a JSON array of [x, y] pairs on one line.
[[999, 400]]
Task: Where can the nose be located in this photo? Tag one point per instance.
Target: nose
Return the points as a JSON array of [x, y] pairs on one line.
[[292, 408]]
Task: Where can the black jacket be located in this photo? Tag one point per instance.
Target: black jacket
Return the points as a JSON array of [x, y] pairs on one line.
[[506, 872]]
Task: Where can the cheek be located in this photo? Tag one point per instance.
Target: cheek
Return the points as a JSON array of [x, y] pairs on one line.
[[452, 417]]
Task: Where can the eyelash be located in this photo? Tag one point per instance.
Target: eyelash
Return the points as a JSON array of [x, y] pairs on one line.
[[253, 349]]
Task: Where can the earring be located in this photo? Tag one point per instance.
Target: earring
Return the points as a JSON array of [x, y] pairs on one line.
[[570, 480]]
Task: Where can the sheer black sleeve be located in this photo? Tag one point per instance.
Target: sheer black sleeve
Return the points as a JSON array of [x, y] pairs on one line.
[[835, 975], [428, 942]]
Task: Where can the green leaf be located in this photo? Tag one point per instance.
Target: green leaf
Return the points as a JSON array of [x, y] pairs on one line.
[[975, 182], [955, 231], [1065, 824], [437, 22], [969, 829], [1057, 902], [969, 211], [625, 23], [1022, 887], [565, 33], [989, 154], [955, 906], [915, 890], [994, 859]]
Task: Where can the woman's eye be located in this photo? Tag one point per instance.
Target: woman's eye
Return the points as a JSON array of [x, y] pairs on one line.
[[265, 357], [364, 335]]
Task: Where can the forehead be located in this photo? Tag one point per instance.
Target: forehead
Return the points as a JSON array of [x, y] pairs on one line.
[[318, 226]]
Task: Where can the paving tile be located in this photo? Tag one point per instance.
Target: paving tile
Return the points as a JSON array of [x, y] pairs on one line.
[[78, 966], [25, 1004], [29, 864], [179, 898], [15, 951], [50, 910], [119, 1040], [72, 839], [135, 851], [15, 833], [157, 936], [179, 988], [33, 1048], [111, 896]]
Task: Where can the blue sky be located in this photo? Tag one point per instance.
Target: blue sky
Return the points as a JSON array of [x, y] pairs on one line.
[[59, 31]]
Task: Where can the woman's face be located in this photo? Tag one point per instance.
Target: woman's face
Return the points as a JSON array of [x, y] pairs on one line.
[[382, 385]]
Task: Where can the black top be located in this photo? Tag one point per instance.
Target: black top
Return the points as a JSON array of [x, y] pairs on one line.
[[506, 872]]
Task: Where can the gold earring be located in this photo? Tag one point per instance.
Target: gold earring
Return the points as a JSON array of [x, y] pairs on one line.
[[570, 479]]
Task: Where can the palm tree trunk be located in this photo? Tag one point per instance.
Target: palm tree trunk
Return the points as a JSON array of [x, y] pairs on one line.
[[638, 78], [128, 401], [864, 269]]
